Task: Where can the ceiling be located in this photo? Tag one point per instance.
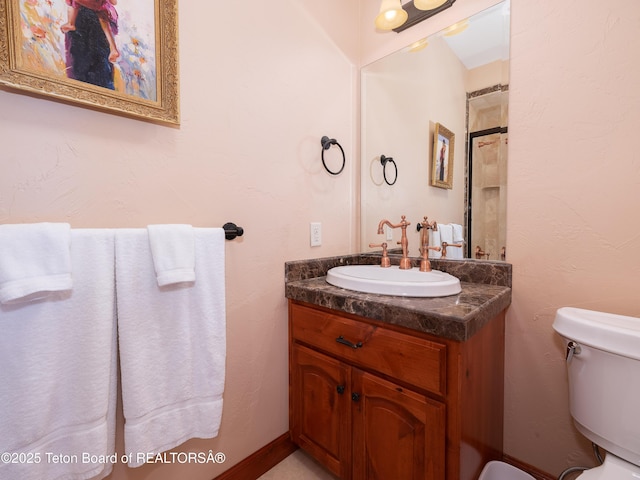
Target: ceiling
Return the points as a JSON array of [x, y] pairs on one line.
[[486, 38]]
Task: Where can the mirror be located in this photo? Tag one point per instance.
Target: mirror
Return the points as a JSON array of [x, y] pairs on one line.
[[456, 79]]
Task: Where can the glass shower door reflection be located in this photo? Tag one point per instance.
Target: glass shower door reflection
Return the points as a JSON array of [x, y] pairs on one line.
[[488, 194]]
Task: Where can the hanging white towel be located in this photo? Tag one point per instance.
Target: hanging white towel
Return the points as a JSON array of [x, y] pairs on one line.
[[172, 344], [446, 232], [446, 235], [457, 253], [173, 252], [457, 233], [58, 374], [34, 261], [434, 241]]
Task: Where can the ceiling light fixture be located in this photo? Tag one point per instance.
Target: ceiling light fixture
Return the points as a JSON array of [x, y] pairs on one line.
[[456, 28], [419, 45], [396, 16], [391, 15], [428, 4]]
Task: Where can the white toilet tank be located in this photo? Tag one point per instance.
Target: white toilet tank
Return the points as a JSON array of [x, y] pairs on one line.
[[604, 378]]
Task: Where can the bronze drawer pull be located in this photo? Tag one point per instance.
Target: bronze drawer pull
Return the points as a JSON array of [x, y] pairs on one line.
[[346, 342]]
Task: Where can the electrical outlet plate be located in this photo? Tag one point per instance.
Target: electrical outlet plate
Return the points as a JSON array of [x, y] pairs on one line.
[[389, 232], [316, 234]]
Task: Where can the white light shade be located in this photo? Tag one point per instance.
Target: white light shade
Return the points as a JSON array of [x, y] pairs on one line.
[[456, 28], [391, 15], [428, 4], [419, 45]]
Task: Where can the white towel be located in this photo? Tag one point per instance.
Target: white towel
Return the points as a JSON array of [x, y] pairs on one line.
[[34, 260], [172, 345], [173, 252], [446, 232], [457, 253], [58, 374], [457, 233], [446, 235], [434, 241]]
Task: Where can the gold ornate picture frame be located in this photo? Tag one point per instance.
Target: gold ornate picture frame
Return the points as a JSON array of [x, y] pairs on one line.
[[442, 158], [118, 57]]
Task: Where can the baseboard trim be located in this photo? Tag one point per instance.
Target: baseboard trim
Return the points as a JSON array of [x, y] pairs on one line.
[[264, 459], [531, 470], [261, 461]]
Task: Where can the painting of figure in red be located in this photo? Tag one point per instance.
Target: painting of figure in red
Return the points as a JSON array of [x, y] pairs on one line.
[[106, 43]]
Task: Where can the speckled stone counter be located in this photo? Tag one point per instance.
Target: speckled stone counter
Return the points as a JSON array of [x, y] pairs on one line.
[[486, 291]]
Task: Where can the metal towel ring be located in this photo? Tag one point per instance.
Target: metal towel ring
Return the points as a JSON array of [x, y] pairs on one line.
[[326, 145], [384, 161]]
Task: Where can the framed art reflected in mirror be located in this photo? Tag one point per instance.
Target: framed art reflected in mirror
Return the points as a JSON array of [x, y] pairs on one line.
[[442, 157]]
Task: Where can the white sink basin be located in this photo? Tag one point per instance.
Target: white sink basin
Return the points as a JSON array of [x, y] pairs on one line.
[[393, 281]]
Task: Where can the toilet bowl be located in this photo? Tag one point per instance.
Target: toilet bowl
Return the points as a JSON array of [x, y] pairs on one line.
[[603, 366], [613, 468], [502, 471]]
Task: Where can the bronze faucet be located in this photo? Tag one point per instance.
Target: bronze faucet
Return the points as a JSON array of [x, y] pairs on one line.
[[385, 262], [405, 261], [481, 253], [446, 245], [424, 227]]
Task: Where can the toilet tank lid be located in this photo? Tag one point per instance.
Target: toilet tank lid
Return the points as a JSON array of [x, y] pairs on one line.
[[613, 333]]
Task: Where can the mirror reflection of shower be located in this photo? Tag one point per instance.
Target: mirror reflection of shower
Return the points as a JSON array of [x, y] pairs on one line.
[[487, 173]]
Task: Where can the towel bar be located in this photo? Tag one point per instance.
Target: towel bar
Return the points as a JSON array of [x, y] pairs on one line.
[[231, 231]]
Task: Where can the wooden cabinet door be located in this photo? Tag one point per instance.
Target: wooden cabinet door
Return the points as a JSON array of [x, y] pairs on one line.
[[321, 408], [397, 433]]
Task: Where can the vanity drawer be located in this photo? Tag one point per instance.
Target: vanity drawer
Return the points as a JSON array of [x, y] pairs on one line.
[[404, 357]]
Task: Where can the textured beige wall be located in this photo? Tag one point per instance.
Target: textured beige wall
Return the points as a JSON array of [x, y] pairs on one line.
[[574, 193], [259, 90]]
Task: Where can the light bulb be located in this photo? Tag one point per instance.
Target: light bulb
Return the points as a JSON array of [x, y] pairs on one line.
[[391, 15], [419, 45], [455, 28], [428, 4]]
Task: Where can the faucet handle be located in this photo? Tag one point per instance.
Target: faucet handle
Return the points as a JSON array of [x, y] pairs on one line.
[[446, 245], [385, 262], [425, 224], [481, 253], [425, 264]]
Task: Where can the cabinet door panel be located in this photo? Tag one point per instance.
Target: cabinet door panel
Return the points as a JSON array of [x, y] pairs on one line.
[[321, 409], [403, 433]]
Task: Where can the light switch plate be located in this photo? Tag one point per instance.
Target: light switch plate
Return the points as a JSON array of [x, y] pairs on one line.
[[389, 232], [316, 234]]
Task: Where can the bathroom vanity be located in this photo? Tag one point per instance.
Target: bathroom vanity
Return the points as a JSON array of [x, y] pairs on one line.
[[388, 387]]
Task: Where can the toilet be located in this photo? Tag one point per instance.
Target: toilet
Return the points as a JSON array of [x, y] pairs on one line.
[[603, 363]]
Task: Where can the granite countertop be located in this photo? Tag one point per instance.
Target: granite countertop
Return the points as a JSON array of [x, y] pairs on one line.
[[486, 291]]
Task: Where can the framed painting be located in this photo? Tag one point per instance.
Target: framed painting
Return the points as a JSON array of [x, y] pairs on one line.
[[442, 158], [118, 57]]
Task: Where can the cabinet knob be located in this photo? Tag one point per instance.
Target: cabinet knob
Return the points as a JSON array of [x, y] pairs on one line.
[[340, 389], [355, 397]]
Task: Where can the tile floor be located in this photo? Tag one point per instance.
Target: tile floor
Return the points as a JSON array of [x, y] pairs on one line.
[[298, 466]]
